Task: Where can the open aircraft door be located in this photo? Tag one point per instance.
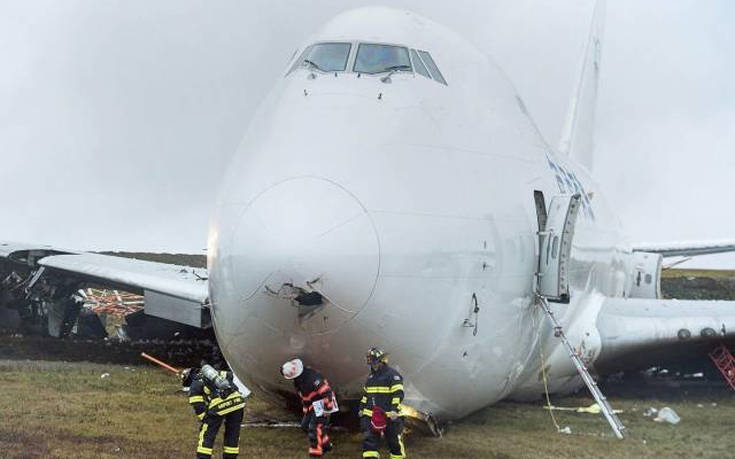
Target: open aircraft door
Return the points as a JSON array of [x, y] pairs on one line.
[[556, 230]]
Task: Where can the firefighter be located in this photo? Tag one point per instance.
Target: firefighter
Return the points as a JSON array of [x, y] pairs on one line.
[[317, 402], [215, 399], [380, 407]]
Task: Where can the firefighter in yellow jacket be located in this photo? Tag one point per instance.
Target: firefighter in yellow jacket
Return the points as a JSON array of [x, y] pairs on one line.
[[215, 399], [380, 407]]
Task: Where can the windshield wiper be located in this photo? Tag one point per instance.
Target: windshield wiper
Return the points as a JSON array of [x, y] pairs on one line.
[[395, 68], [391, 70], [312, 64]]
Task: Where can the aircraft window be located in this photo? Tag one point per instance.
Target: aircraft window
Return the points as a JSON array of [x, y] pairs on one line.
[[373, 58], [326, 57], [435, 73], [418, 65]]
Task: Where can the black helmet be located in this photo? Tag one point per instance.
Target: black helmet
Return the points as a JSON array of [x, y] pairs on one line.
[[376, 355], [188, 375]]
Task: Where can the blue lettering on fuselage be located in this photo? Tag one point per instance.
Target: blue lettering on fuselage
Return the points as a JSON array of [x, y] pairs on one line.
[[569, 184]]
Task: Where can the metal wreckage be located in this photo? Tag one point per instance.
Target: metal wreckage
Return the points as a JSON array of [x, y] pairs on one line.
[[38, 300]]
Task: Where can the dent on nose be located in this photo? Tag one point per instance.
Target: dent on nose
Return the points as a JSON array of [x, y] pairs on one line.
[[301, 241]]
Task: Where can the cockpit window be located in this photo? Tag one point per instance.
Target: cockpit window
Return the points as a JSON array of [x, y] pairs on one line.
[[418, 65], [374, 58], [326, 57], [435, 73]]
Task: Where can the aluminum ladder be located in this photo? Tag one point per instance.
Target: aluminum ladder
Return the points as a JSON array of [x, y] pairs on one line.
[[612, 418]]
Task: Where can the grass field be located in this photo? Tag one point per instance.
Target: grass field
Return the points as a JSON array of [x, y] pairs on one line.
[[67, 410], [705, 273], [64, 409]]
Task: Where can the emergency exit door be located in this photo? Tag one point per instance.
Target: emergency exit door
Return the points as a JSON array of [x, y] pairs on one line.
[[556, 230]]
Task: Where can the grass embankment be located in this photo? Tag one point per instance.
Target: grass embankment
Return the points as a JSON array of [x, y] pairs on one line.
[[698, 284], [705, 273], [59, 409]]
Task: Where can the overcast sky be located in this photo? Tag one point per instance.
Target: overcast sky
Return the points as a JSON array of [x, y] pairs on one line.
[[117, 118]]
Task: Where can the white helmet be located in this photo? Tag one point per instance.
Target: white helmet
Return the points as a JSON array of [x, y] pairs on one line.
[[292, 369]]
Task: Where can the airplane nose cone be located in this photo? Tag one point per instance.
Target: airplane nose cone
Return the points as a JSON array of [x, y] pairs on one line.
[[306, 256]]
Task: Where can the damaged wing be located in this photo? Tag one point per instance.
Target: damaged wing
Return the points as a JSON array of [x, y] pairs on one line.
[[686, 249], [645, 331], [173, 292], [177, 281]]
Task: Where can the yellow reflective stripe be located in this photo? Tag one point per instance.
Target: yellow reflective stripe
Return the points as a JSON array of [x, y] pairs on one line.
[[231, 409], [395, 401], [196, 398], [370, 454], [217, 400], [403, 449], [200, 447], [363, 400], [378, 390], [396, 387], [231, 450], [367, 412], [201, 415], [384, 389]]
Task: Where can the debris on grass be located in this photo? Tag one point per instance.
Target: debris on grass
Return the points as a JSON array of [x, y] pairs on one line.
[[592, 409], [666, 414]]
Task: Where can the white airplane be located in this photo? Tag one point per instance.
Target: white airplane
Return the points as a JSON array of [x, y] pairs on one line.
[[389, 193]]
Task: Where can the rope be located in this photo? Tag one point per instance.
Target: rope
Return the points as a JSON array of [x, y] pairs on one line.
[[543, 374], [546, 389]]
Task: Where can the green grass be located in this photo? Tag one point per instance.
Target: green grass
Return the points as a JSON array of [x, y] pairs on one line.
[[711, 273], [65, 410]]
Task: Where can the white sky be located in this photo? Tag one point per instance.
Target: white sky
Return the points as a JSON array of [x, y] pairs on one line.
[[117, 118]]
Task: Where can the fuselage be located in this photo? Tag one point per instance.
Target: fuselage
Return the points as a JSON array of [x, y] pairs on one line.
[[405, 204]]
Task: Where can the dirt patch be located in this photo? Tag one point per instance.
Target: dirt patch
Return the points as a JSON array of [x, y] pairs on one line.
[[182, 354]]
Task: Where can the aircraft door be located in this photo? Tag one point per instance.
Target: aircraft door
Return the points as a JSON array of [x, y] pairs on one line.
[[556, 230], [646, 273]]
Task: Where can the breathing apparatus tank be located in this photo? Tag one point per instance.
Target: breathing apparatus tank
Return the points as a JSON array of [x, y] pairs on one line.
[[216, 381]]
